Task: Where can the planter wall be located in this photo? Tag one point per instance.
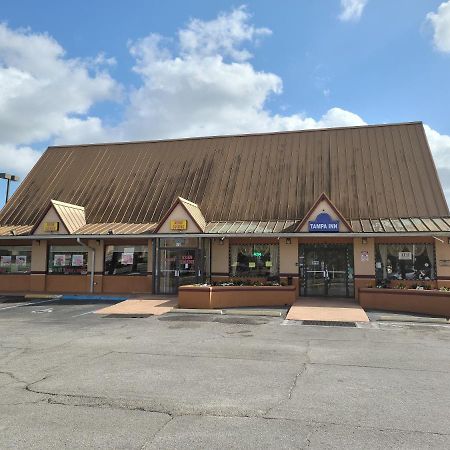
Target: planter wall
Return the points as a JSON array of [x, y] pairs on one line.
[[209, 297], [407, 300]]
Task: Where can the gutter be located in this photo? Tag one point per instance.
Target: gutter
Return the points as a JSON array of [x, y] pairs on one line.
[[227, 235], [91, 289]]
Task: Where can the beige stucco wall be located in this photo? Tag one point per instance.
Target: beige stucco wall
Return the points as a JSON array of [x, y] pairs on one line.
[[364, 267], [288, 256], [38, 256], [99, 247], [51, 216], [324, 206], [179, 213], [220, 256], [442, 258]]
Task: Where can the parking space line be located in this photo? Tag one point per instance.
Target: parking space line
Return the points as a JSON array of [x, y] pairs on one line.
[[83, 314], [27, 304]]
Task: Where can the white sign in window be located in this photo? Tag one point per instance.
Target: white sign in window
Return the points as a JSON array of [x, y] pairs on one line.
[[405, 256]]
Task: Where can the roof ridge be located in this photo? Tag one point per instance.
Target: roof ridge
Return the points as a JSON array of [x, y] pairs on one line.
[[219, 136]]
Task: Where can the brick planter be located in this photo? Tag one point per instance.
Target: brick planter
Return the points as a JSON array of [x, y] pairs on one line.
[[209, 297], [406, 300]]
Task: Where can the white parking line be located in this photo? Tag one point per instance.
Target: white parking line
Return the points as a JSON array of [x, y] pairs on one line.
[[27, 304], [83, 314]]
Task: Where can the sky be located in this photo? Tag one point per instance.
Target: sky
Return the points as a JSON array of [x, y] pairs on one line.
[[102, 71]]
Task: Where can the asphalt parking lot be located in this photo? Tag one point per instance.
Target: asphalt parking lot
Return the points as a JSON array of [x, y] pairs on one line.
[[73, 379]]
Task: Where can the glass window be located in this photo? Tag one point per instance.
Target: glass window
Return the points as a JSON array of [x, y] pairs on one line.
[[15, 259], [179, 242], [254, 260], [67, 260], [126, 259], [404, 262]]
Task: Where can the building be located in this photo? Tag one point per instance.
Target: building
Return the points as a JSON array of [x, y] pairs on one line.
[[327, 210]]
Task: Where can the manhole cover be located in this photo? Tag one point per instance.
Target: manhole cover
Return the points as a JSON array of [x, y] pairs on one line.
[[328, 323]]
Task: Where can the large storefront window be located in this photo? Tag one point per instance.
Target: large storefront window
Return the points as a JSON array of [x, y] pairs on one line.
[[254, 260], [67, 260], [15, 259], [126, 260], [404, 262]]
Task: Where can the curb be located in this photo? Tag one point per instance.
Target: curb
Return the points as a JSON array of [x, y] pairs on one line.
[[195, 311], [412, 319], [42, 296]]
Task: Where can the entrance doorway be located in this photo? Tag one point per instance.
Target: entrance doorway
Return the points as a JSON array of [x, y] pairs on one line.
[[326, 270], [179, 261]]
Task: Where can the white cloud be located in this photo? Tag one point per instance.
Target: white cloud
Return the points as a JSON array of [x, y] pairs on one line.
[[351, 10], [44, 94], [440, 21], [440, 147], [209, 86], [17, 160]]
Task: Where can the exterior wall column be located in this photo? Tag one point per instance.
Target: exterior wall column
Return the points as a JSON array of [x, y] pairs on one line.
[[220, 259], [364, 263], [289, 262], [150, 244], [443, 262], [38, 266], [99, 247]]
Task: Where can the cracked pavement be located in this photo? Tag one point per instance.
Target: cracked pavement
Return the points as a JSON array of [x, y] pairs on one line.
[[72, 379]]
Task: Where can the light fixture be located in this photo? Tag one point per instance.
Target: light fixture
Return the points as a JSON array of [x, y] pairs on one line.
[[364, 240], [110, 232], [8, 177], [288, 240], [12, 232]]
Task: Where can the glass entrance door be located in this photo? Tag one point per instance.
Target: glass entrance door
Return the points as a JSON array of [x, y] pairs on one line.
[[327, 270], [177, 267]]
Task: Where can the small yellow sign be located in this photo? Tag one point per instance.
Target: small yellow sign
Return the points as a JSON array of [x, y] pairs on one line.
[[178, 225], [51, 226]]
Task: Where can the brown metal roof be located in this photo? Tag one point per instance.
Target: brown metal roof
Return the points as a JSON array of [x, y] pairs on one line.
[[368, 172]]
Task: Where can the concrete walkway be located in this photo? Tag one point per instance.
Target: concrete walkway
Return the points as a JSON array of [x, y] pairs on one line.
[[155, 305], [327, 309]]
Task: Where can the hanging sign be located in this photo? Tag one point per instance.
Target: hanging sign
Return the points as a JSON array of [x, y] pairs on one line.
[[178, 225], [323, 224], [405, 256], [51, 226]]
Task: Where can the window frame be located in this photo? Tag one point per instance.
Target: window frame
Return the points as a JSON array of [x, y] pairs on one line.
[[30, 252], [81, 251], [134, 274], [248, 274], [433, 268]]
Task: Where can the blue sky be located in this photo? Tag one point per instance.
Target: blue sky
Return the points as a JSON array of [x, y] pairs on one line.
[[88, 71]]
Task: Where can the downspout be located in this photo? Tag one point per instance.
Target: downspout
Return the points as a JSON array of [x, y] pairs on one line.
[[93, 263]]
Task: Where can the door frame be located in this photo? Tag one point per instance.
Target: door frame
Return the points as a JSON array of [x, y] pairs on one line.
[[349, 282], [201, 252]]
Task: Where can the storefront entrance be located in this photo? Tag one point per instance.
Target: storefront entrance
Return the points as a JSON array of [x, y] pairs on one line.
[[179, 261], [177, 267], [326, 270]]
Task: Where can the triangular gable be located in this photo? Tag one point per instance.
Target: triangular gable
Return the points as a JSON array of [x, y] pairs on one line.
[[184, 216], [60, 218], [323, 217]]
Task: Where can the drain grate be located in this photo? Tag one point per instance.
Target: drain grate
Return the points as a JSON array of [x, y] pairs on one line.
[[329, 323], [127, 316]]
